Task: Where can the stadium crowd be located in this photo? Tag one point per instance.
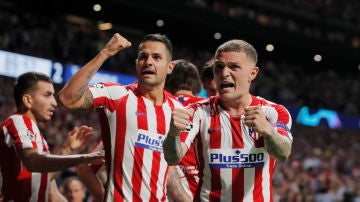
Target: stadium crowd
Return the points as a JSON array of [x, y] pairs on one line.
[[323, 166]]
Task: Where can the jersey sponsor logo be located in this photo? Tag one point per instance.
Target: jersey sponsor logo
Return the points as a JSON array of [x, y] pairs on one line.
[[149, 140], [235, 158]]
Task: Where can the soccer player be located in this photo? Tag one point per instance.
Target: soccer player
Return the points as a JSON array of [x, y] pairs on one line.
[[238, 136], [135, 118], [184, 82], [207, 78], [25, 159]]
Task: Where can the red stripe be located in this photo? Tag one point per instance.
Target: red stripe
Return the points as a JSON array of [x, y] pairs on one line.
[[199, 151], [215, 143], [119, 148], [237, 174], [271, 171], [237, 139], [136, 178], [258, 191], [237, 184], [42, 188]]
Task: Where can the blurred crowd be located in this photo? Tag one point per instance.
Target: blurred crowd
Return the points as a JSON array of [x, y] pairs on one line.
[[300, 17], [324, 165], [68, 42]]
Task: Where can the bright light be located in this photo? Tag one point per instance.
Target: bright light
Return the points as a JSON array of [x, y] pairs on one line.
[[160, 23], [97, 7], [105, 26], [270, 47], [217, 35], [317, 58]]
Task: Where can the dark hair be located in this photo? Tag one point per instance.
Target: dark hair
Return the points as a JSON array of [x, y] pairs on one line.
[[158, 38], [208, 70], [184, 76], [26, 83], [238, 46]]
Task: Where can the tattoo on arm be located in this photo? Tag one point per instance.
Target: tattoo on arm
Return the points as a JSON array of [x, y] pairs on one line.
[[88, 100], [278, 145], [174, 187], [172, 149]]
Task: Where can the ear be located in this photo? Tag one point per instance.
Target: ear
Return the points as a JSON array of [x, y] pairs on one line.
[[254, 72], [27, 100], [171, 67]]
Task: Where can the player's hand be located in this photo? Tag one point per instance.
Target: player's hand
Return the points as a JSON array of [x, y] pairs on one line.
[[180, 119], [116, 44], [78, 137], [97, 157], [256, 119]]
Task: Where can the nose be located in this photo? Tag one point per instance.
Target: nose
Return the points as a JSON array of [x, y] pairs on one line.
[[149, 60], [53, 102], [225, 72]]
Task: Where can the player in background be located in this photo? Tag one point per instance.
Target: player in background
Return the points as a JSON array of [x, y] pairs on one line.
[[25, 159], [207, 78], [238, 136], [184, 83]]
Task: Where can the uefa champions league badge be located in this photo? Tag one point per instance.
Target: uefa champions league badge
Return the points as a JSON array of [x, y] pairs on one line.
[[189, 126]]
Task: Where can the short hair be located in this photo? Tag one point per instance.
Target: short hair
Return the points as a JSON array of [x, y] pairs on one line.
[[27, 83], [158, 38], [207, 71], [238, 46], [185, 76]]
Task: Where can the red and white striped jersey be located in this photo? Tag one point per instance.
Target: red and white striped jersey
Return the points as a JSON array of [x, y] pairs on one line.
[[233, 162], [19, 132], [133, 130]]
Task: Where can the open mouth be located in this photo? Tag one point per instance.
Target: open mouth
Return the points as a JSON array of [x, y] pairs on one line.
[[227, 85], [147, 72]]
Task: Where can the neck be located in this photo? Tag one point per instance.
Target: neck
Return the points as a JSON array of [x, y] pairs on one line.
[[154, 94], [236, 107]]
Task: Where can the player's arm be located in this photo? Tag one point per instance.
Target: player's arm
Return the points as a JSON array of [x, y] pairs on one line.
[[278, 145], [174, 149], [43, 162], [175, 189], [91, 181], [54, 193], [75, 94]]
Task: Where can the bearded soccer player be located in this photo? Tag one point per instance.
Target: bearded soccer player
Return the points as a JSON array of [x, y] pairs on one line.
[[135, 118]]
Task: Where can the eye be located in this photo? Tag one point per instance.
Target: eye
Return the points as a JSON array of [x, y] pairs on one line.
[[157, 57], [142, 57], [218, 67], [234, 67]]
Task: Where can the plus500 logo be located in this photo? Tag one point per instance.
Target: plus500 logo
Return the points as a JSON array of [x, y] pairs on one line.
[[238, 160], [152, 142]]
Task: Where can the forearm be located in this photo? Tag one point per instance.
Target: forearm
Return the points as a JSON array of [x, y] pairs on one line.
[[74, 90], [173, 151], [175, 189], [278, 145], [54, 194], [52, 163], [91, 181]]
